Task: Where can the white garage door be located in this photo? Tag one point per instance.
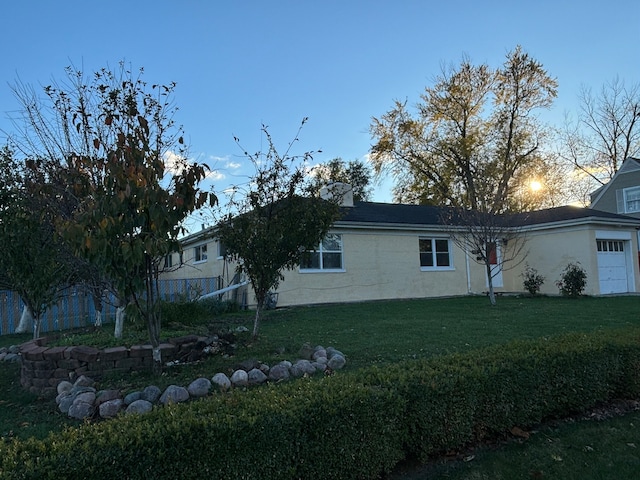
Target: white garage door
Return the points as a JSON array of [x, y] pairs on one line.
[[612, 266]]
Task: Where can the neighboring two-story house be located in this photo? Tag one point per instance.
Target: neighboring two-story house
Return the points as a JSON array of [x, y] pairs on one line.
[[622, 193]]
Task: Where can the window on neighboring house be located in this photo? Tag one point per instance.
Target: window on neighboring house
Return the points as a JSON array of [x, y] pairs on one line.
[[629, 200], [168, 261], [222, 250], [435, 253], [326, 256], [200, 253]]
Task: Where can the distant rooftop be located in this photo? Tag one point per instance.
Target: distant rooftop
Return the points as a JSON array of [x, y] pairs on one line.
[[401, 214]]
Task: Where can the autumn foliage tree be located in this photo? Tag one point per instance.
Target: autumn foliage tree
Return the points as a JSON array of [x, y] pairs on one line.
[[124, 164], [471, 144], [471, 135]]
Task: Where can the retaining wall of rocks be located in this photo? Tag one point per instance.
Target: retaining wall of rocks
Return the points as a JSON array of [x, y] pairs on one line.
[[44, 367]]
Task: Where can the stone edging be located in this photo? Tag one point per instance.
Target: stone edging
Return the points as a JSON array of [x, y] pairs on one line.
[[82, 401]]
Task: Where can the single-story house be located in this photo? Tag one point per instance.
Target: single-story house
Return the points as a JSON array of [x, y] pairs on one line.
[[395, 251]]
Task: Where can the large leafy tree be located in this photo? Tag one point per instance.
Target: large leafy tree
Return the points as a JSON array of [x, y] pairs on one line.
[[355, 173], [272, 221], [122, 159], [472, 144], [470, 136]]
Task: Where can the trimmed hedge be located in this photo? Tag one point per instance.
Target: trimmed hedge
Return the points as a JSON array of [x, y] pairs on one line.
[[355, 425]]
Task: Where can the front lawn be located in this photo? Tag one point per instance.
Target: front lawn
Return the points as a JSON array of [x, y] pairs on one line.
[[384, 332], [368, 333]]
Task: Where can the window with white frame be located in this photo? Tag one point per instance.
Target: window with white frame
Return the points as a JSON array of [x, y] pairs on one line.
[[435, 253], [631, 200], [610, 245], [327, 256], [200, 253], [168, 260]]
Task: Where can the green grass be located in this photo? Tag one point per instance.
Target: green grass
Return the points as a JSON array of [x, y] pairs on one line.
[[377, 333], [383, 332], [587, 449]]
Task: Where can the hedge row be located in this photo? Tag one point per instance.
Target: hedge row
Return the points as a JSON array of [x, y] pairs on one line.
[[353, 425]]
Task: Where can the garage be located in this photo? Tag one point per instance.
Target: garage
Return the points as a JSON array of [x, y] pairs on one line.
[[612, 266]]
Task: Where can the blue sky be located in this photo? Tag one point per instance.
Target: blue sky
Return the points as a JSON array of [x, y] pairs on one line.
[[239, 64]]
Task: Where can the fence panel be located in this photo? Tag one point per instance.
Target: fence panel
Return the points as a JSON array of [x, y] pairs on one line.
[[75, 308], [188, 289]]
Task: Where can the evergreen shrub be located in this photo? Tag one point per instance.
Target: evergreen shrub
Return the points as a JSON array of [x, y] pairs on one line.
[[351, 425], [573, 280]]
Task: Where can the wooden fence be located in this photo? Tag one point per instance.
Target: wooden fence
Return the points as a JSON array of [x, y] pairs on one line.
[[75, 308]]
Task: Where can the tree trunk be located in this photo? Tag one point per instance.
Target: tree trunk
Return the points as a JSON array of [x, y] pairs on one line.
[[120, 314], [153, 315], [26, 321], [256, 320], [157, 359], [97, 305], [153, 323], [492, 294], [36, 326]]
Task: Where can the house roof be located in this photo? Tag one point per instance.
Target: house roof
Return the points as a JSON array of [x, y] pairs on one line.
[[396, 215], [389, 214], [568, 214]]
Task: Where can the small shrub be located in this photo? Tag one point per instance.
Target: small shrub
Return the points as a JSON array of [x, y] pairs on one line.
[[572, 281], [215, 306], [197, 311], [532, 280]]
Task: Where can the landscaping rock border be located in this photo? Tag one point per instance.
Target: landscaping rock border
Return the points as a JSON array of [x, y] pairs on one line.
[[81, 400], [10, 354]]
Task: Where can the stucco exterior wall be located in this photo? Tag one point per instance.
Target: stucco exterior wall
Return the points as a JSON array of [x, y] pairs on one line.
[[213, 266], [550, 251], [385, 264], [377, 265]]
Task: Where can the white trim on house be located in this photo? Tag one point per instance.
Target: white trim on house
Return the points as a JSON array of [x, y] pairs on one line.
[[613, 235]]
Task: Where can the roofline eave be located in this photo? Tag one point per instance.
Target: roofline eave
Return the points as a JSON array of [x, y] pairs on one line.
[[591, 220]]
